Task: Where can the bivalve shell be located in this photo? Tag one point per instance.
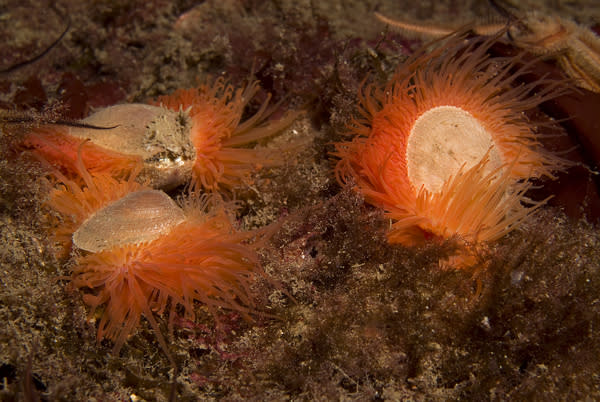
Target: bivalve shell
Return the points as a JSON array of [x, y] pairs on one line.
[[446, 147], [158, 136], [138, 217]]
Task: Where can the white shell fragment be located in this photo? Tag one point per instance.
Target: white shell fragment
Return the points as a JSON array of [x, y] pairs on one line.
[[138, 217], [159, 136]]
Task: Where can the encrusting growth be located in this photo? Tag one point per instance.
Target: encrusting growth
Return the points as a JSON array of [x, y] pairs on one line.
[[446, 149]]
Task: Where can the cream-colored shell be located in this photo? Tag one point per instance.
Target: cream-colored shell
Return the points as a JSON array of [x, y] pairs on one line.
[[441, 141], [161, 137], [138, 217]]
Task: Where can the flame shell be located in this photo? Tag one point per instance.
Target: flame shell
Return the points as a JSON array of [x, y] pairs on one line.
[[138, 217], [141, 252], [196, 137], [446, 147], [159, 137]]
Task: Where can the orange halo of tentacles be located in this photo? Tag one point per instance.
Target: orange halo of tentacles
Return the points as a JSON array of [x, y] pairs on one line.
[[446, 147]]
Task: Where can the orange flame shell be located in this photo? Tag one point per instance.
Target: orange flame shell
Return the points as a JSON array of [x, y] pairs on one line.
[[202, 259], [478, 200], [220, 158]]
